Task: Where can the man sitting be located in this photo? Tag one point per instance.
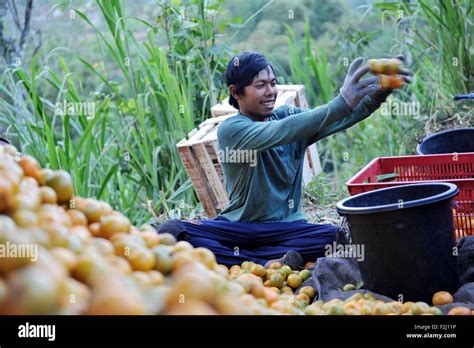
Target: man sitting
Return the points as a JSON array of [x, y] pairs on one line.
[[263, 220]]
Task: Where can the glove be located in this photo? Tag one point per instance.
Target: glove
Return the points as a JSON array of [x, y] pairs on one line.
[[379, 96], [354, 90]]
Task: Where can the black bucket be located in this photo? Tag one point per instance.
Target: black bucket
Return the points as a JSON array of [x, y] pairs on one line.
[[453, 140], [407, 233]]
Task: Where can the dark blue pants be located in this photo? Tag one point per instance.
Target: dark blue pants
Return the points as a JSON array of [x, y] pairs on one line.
[[236, 242]]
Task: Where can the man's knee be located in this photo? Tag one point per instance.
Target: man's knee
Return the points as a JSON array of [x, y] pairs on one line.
[[327, 230]]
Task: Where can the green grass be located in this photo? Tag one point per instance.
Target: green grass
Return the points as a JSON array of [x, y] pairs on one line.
[[124, 154]]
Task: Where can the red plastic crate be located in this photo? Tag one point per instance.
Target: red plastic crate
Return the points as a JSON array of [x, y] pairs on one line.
[[399, 170]]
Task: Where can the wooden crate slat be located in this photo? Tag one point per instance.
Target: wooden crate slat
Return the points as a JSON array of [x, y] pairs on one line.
[[213, 151], [203, 131], [307, 173], [286, 98], [290, 87], [224, 108], [192, 132], [198, 179], [211, 136], [200, 134], [210, 141], [313, 158], [301, 99], [213, 179], [217, 119]]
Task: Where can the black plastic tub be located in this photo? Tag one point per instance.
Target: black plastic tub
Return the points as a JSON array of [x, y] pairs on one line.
[[453, 140], [408, 237]]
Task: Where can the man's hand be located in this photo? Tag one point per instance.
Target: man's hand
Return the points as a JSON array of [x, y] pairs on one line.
[[379, 96], [354, 90]]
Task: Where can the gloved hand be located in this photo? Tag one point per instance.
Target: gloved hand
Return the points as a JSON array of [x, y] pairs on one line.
[[354, 90], [379, 96]]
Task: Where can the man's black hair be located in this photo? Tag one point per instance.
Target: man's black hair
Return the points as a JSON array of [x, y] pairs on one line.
[[241, 71]]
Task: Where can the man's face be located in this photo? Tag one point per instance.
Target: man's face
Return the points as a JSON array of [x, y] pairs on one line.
[[258, 99]]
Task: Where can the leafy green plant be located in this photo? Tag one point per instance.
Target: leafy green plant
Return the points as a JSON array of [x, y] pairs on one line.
[[442, 37], [125, 151], [310, 67]]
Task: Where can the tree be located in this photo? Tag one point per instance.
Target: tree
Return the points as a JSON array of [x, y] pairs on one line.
[[14, 33]]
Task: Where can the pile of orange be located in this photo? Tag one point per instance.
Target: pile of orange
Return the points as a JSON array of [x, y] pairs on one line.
[[82, 257], [366, 304], [463, 223]]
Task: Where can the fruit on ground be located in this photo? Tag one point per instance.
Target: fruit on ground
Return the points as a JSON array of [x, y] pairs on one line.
[[92, 260], [420, 308], [459, 311], [167, 239], [90, 266], [303, 297], [205, 256], [294, 280], [192, 307], [305, 274], [151, 238], [113, 296], [67, 258], [30, 166], [111, 224], [335, 309], [258, 270], [32, 290], [3, 292], [275, 265], [349, 287], [442, 298], [93, 209], [309, 265], [75, 298], [61, 182], [77, 217], [163, 260], [141, 259], [276, 280], [308, 290], [48, 195]]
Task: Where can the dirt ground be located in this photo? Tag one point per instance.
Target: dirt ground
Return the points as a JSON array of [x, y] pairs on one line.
[[318, 214]]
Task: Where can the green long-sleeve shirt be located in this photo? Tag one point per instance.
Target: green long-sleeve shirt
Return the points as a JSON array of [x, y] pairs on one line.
[[262, 162]]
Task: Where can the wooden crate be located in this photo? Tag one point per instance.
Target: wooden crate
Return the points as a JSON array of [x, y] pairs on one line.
[[199, 152]]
